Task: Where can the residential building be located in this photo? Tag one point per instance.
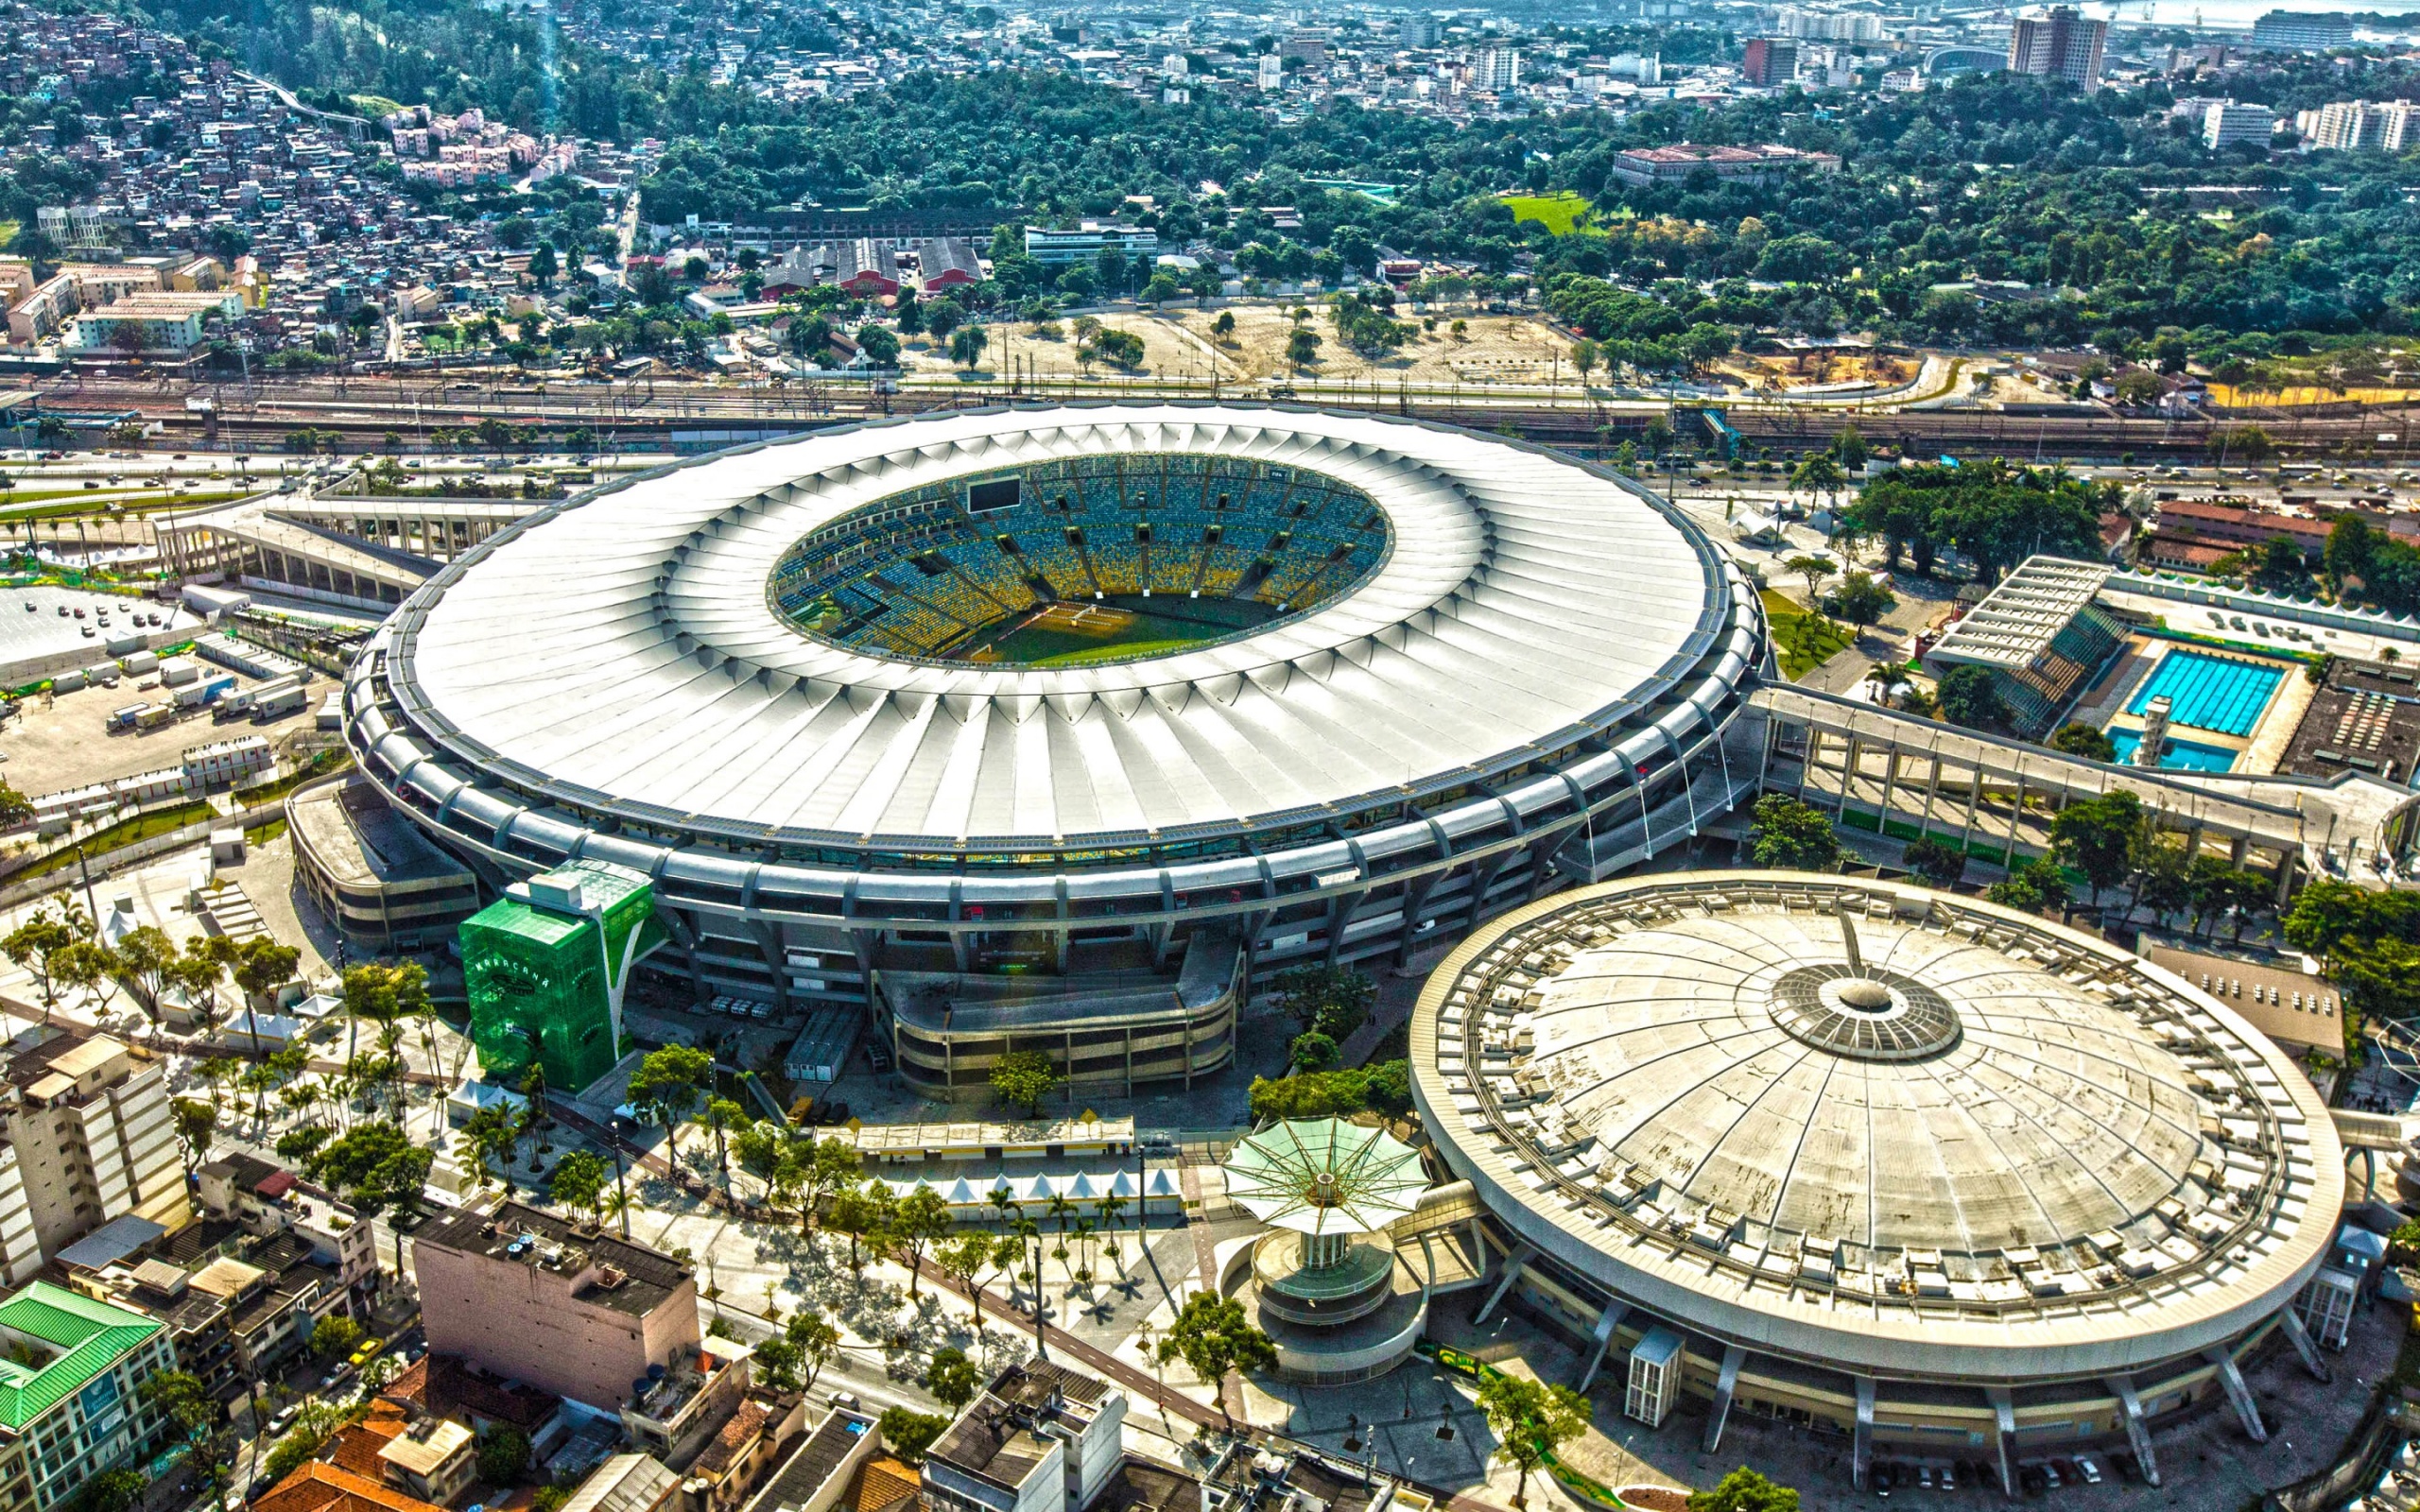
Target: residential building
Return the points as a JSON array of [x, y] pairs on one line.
[[268, 1200], [71, 1400], [816, 1475], [560, 1306], [1677, 163], [160, 320], [1416, 31], [1088, 240], [687, 1402], [1768, 61], [1309, 43], [1041, 1438], [90, 1138], [627, 1483], [1496, 70], [446, 1385], [321, 1487], [2228, 122], [1829, 25], [2059, 44], [2363, 126], [2299, 31]]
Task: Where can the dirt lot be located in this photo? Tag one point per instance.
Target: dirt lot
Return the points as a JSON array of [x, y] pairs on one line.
[[69, 744], [1786, 374], [1183, 344]]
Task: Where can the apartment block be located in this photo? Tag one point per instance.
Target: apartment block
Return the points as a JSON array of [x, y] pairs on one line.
[[70, 1384], [90, 1138], [2059, 44], [1768, 61], [1040, 1438], [2227, 122], [562, 1307]]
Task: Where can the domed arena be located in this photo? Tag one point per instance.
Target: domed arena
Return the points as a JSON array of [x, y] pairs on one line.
[[1058, 727], [1902, 1163]]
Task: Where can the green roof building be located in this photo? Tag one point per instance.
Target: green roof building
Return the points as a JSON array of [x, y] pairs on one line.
[[546, 966], [71, 1372]]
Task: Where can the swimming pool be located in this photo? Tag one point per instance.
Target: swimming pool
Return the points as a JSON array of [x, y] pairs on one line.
[[2209, 692], [2179, 756]]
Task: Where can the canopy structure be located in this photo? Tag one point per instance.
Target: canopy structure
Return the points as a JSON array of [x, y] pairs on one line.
[[1322, 1176]]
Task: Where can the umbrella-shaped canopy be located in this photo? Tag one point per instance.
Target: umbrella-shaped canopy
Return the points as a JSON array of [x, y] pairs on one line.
[[1322, 1176]]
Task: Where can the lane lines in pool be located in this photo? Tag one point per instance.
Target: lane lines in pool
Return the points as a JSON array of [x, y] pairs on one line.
[[2209, 692]]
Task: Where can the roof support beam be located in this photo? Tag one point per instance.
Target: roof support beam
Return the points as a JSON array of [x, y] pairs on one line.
[[2304, 1344], [1728, 1382], [1861, 1448], [2247, 1410], [1607, 1321], [2004, 1418], [1512, 1263], [2139, 1433]]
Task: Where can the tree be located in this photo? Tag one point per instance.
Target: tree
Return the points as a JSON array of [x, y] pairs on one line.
[[908, 1432], [33, 945], [1313, 1052], [264, 966], [504, 1457], [376, 1168], [1329, 1000], [1224, 327], [917, 1220], [1862, 601], [1940, 863], [817, 1343], [1531, 1420], [1212, 1337], [2162, 879], [2033, 886], [953, 1378], [670, 1082], [1814, 568], [1969, 698], [1303, 347], [2100, 837], [1820, 474], [333, 1336], [82, 966], [967, 345], [722, 1115], [1744, 1490], [941, 318], [1024, 1077], [191, 1410], [1849, 449], [776, 1363], [964, 1260], [2084, 741], [493, 1133], [545, 265], [880, 346], [863, 1213], [1786, 833], [117, 1490], [579, 1181], [197, 1126], [145, 954]]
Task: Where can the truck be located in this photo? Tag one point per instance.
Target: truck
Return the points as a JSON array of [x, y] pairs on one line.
[[286, 700], [238, 703], [125, 718], [156, 716]]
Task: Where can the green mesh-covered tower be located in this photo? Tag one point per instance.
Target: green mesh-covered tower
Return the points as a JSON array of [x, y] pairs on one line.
[[545, 968]]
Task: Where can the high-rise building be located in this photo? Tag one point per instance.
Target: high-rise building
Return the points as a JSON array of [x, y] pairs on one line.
[[2060, 43], [1496, 70], [1768, 61], [2226, 123], [2364, 125], [1416, 31], [2294, 31], [90, 1138], [1829, 25]]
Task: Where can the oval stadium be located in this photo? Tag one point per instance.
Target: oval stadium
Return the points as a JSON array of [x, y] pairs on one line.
[[1899, 1163], [1065, 726]]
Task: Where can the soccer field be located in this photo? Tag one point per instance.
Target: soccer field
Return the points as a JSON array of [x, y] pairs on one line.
[[1075, 633]]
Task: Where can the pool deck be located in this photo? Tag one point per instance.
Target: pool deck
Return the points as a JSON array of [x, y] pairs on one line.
[[2107, 703]]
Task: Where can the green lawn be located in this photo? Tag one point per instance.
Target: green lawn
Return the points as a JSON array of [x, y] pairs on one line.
[[1804, 641], [1556, 212]]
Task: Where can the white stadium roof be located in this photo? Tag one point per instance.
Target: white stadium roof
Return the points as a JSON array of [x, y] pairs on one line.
[[623, 649]]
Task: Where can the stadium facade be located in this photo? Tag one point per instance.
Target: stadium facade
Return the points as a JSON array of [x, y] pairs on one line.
[[1057, 728], [1940, 1176]]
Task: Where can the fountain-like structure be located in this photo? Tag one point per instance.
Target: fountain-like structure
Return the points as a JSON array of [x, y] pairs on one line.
[[1325, 1283]]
